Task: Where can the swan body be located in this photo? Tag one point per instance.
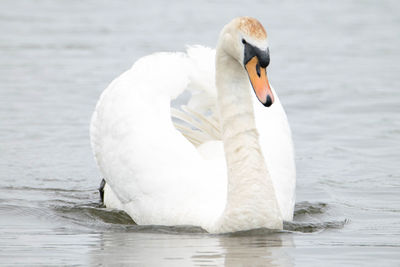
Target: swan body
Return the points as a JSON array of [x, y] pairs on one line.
[[234, 172]]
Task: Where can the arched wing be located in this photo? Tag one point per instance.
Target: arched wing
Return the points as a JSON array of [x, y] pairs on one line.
[[150, 166]]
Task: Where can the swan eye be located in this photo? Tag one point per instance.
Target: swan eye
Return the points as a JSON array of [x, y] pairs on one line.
[[244, 41]]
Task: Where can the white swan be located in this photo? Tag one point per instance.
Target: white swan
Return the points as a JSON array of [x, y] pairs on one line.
[[229, 168]]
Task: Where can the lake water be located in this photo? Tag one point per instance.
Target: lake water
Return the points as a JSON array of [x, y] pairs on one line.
[[334, 64]]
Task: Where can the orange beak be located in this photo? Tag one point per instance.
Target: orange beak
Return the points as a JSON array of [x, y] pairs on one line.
[[259, 81]]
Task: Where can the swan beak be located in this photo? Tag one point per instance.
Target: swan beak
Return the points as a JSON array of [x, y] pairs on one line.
[[259, 81]]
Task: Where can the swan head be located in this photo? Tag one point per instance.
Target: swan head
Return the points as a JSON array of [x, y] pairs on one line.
[[245, 40]]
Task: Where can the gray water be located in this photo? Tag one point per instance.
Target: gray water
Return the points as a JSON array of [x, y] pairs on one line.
[[334, 64]]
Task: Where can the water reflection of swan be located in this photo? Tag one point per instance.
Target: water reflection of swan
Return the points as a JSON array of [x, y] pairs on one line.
[[235, 172], [257, 249], [155, 249]]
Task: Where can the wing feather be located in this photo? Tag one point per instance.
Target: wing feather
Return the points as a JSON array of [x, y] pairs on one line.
[[152, 168], [198, 121]]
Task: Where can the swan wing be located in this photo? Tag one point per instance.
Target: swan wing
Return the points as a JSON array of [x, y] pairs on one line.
[[156, 173], [277, 147]]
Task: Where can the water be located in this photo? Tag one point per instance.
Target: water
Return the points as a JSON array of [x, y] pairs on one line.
[[333, 63]]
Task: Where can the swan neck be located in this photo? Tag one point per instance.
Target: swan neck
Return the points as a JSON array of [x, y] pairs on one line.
[[250, 190], [235, 104]]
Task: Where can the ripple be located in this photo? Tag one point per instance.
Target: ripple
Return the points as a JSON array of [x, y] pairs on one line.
[[83, 213], [21, 210], [311, 227], [40, 189], [308, 216], [303, 208], [94, 215], [162, 229]]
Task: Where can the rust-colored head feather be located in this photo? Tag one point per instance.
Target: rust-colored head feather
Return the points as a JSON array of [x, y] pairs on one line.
[[252, 27]]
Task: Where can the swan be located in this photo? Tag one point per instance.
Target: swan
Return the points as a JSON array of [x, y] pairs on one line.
[[224, 161]]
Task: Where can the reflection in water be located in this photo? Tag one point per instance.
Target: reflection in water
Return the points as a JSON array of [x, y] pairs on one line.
[[257, 249], [252, 248], [151, 249]]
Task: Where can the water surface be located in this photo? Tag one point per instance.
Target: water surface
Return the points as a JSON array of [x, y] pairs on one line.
[[334, 65]]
